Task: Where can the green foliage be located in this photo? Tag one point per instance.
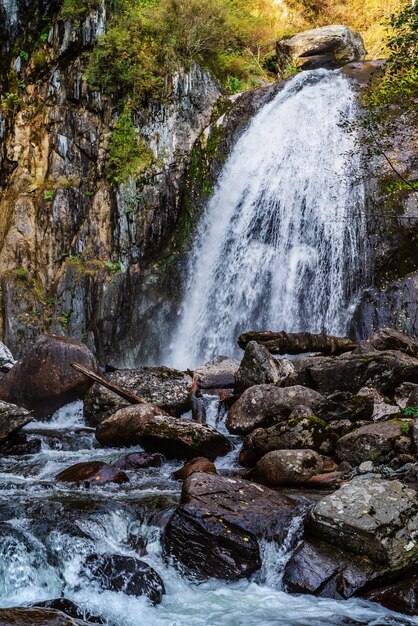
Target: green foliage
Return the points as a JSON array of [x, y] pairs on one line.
[[76, 9], [405, 427], [411, 411], [113, 267], [128, 153], [49, 195], [24, 55], [10, 101], [400, 185], [22, 274]]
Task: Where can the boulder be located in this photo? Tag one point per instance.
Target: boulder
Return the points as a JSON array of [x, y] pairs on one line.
[[20, 444], [350, 372], [200, 464], [216, 374], [328, 46], [166, 388], [93, 473], [23, 616], [406, 395], [298, 433], [344, 405], [71, 609], [6, 358], [324, 570], [216, 529], [380, 443], [263, 405], [382, 406], [391, 339], [173, 437], [258, 367], [12, 419], [287, 467], [401, 596], [139, 460], [131, 576], [43, 381], [371, 517]]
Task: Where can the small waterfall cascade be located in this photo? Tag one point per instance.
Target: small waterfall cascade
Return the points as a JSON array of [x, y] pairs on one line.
[[281, 244]]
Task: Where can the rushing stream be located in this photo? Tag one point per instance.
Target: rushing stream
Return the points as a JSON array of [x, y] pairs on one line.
[[281, 244], [48, 528]]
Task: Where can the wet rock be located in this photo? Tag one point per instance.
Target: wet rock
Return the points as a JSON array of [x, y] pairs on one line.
[[324, 570], [6, 358], [36, 617], [200, 464], [327, 46], [173, 437], [258, 367], [328, 480], [44, 381], [116, 572], [401, 596], [414, 435], [71, 609], [215, 531], [93, 473], [379, 443], [263, 405], [12, 419], [218, 373], [371, 517], [344, 405], [350, 372], [391, 339], [381, 404], [287, 467], [139, 460], [166, 388], [20, 445], [299, 433]]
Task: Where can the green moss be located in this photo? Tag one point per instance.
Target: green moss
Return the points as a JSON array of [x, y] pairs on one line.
[[129, 155], [76, 9]]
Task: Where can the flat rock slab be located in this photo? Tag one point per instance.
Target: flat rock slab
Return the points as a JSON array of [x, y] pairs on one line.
[[12, 419], [167, 388], [93, 472], [215, 531], [263, 405], [373, 517], [216, 374]]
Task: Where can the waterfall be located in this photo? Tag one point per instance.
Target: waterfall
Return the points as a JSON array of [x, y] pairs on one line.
[[281, 243]]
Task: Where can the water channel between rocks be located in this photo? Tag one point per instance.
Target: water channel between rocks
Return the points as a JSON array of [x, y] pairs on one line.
[[48, 528]]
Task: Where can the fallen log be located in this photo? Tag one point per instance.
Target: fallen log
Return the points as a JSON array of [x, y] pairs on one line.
[[297, 343], [101, 380]]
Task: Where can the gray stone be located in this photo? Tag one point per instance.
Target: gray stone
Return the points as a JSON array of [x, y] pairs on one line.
[[379, 443], [12, 419], [373, 517], [263, 405], [6, 358], [381, 404], [258, 367], [391, 339], [327, 46], [287, 467], [365, 467], [220, 372]]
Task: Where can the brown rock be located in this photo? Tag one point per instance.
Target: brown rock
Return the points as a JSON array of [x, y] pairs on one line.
[[125, 427], [391, 339], [93, 472], [200, 464], [36, 617], [139, 460], [401, 597], [379, 443], [43, 381], [286, 467]]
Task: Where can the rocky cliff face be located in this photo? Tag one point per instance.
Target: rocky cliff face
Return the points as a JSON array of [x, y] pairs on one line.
[[78, 254]]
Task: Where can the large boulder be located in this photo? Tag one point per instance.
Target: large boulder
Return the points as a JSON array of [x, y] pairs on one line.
[[391, 339], [263, 405], [93, 473], [139, 460], [322, 569], [327, 46], [344, 405], [131, 576], [350, 372], [175, 438], [380, 443], [43, 381], [71, 609], [199, 464], [287, 467], [258, 367], [25, 616], [308, 432], [166, 388], [6, 358], [12, 419], [216, 530], [372, 517], [401, 596], [216, 374]]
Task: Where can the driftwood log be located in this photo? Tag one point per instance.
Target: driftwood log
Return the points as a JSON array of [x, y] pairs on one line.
[[297, 343], [101, 380]]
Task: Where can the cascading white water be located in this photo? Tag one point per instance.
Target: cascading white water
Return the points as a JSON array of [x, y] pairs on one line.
[[281, 242]]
